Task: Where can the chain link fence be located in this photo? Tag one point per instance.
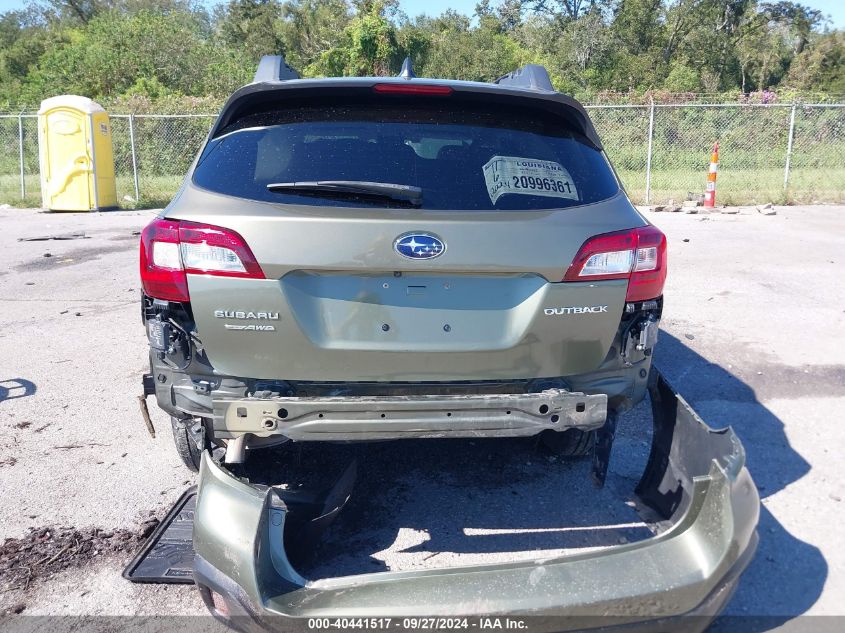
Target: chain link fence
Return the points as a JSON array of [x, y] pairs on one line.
[[19, 171], [768, 153], [153, 152]]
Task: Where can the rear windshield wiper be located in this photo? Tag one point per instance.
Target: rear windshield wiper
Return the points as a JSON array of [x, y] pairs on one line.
[[352, 189]]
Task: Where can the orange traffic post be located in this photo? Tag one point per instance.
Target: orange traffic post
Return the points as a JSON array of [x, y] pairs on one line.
[[710, 193]]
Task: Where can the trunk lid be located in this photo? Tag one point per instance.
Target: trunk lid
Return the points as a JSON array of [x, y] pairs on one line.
[[340, 304]]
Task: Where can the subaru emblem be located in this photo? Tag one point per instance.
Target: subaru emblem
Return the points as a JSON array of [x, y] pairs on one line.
[[419, 246]]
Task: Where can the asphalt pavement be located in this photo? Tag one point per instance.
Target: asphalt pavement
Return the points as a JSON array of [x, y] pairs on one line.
[[751, 336]]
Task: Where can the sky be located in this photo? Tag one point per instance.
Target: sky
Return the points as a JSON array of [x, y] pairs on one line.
[[834, 8]]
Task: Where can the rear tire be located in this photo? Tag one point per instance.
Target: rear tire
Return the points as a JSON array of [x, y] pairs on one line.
[[569, 443], [186, 447]]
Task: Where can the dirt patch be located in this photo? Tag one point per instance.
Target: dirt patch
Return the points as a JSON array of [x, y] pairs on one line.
[[15, 609], [46, 551], [134, 236], [51, 261]]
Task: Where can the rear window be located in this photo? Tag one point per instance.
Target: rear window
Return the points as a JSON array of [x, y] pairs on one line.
[[462, 156]]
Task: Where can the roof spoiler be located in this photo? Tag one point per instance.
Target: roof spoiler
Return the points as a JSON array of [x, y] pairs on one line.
[[530, 76], [407, 71], [274, 68], [274, 77]]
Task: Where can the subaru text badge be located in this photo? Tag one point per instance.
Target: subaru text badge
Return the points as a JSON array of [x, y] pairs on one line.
[[419, 246]]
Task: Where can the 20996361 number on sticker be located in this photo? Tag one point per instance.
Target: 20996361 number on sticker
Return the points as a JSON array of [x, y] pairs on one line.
[[545, 184], [527, 176]]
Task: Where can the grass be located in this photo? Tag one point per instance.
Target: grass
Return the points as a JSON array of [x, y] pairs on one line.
[[738, 187], [156, 191], [733, 187], [10, 191]]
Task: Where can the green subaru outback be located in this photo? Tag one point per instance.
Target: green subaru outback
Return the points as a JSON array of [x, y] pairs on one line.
[[357, 259]]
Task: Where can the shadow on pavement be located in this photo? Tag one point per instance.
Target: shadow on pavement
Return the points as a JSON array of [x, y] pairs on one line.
[[442, 503], [13, 388], [787, 575], [438, 503]]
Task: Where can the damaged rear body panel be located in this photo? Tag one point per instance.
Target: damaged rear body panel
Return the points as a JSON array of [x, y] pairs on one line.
[[695, 493], [353, 259]]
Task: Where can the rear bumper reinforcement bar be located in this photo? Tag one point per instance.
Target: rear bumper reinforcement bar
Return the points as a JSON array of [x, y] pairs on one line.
[[392, 417]]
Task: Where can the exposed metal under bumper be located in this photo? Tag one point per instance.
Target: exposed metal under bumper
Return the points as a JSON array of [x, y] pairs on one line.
[[696, 490], [391, 417]]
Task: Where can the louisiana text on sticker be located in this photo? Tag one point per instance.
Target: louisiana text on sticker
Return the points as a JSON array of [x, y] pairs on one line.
[[527, 176]]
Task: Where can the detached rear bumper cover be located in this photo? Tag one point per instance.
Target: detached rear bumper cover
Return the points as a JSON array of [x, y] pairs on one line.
[[695, 487], [391, 417]]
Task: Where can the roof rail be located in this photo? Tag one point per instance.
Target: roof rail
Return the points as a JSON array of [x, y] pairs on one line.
[[530, 76], [274, 68]]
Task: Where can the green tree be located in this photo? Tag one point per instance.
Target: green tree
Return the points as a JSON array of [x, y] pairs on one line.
[[637, 26], [509, 13], [310, 28], [821, 65], [78, 10], [567, 9], [23, 39], [682, 78], [83, 11], [367, 46], [109, 55], [637, 33], [480, 53], [800, 20], [252, 26], [159, 51]]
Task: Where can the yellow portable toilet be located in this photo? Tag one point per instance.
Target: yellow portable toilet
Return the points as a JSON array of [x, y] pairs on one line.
[[77, 164]]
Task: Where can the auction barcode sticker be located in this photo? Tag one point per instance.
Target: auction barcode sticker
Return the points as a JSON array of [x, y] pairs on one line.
[[527, 176]]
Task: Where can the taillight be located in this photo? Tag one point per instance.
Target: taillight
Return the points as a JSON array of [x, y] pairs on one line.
[[638, 255], [211, 250], [162, 275], [172, 248]]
